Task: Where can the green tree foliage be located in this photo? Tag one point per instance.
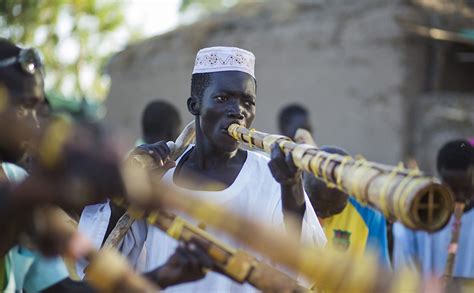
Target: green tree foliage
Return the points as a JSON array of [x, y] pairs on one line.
[[76, 38]]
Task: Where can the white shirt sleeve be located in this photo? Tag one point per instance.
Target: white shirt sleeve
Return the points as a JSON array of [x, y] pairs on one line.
[[93, 224]]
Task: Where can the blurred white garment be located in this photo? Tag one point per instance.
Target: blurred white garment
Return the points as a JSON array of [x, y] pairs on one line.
[[93, 224]]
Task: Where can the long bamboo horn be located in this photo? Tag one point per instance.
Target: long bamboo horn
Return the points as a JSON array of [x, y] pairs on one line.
[[184, 139], [418, 201]]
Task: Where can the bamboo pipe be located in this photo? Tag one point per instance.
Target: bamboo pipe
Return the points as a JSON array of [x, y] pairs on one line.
[[418, 201]]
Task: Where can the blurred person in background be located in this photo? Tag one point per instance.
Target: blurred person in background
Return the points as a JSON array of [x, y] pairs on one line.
[[293, 117], [21, 80], [349, 226], [160, 121], [427, 252]]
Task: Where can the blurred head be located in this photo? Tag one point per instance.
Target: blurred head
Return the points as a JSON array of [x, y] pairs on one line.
[[455, 164], [223, 92], [21, 84], [160, 121], [326, 201], [291, 118], [21, 75]]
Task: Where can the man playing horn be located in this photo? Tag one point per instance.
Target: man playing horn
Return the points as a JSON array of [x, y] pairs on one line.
[[429, 252], [223, 92]]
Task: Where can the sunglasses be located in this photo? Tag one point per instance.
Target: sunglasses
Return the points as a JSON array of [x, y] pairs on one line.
[[29, 59]]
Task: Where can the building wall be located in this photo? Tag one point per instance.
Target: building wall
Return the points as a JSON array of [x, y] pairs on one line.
[[443, 117], [344, 60]]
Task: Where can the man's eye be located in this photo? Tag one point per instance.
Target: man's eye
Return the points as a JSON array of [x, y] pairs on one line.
[[221, 99], [248, 103]]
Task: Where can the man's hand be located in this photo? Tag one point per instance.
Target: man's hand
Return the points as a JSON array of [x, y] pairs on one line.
[[292, 195], [283, 168], [187, 264], [154, 157]]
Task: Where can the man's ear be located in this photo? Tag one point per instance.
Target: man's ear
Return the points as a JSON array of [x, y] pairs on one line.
[[193, 105]]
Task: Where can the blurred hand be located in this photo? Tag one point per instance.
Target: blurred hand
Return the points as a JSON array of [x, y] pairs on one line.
[[155, 158], [187, 264]]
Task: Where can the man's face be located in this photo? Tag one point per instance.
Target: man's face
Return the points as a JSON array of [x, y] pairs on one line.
[[326, 201], [297, 121], [460, 182], [230, 98], [25, 94]]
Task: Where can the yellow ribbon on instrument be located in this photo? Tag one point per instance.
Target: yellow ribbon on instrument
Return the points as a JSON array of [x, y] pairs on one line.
[[385, 187], [316, 162], [152, 217], [250, 137], [359, 164], [341, 170], [176, 228], [325, 171], [410, 186], [400, 188], [234, 132]]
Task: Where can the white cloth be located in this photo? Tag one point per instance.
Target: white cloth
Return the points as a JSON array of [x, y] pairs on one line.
[[217, 59], [14, 173], [93, 224], [254, 194], [428, 252]]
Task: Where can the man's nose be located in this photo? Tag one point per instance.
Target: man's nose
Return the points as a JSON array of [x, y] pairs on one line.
[[235, 111]]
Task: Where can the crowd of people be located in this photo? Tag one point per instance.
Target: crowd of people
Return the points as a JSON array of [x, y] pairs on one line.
[[49, 161]]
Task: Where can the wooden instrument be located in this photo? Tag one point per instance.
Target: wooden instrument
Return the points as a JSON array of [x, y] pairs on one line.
[[453, 244], [418, 201]]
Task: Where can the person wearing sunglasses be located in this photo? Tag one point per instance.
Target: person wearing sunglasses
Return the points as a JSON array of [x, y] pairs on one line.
[[25, 269], [21, 87]]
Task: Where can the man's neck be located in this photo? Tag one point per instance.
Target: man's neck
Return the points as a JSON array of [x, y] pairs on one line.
[[206, 156]]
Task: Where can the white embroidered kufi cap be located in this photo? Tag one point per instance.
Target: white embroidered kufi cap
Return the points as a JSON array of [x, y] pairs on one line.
[[216, 59]]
